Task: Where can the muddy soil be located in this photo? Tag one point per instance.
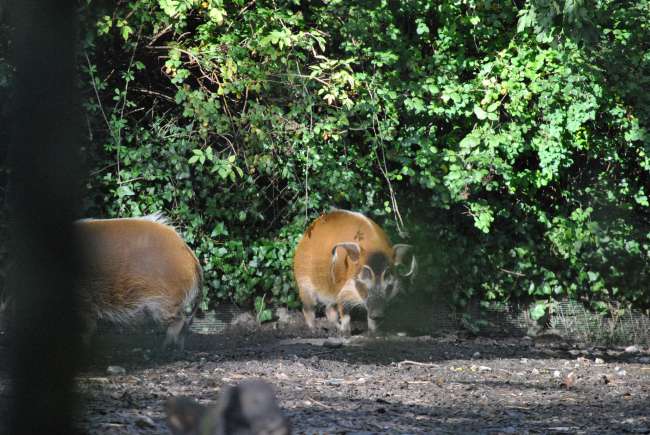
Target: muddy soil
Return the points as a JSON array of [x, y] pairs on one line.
[[392, 384]]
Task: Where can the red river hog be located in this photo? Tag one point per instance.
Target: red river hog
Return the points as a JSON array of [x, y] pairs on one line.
[[344, 259], [138, 266]]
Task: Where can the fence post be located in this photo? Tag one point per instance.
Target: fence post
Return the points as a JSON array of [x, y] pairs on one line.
[[43, 198]]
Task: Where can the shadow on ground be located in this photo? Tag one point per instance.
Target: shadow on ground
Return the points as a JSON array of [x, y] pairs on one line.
[[394, 384]]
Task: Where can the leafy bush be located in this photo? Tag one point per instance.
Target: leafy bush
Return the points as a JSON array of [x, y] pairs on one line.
[[509, 139]]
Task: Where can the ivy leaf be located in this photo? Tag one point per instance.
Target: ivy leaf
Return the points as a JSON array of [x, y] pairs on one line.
[[480, 113], [124, 190], [538, 310], [126, 31]]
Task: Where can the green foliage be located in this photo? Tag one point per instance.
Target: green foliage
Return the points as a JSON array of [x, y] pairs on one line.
[[538, 310], [512, 136], [264, 314]]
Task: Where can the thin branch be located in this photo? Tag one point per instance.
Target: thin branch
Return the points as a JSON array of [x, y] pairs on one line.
[[308, 151], [90, 130], [99, 100], [241, 12], [302, 76], [158, 35], [319, 403], [132, 180], [157, 94], [384, 170], [100, 170], [415, 363], [512, 272]]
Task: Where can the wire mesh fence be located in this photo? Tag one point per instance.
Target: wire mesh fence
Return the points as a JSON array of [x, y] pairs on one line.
[[216, 320], [572, 319], [568, 319]]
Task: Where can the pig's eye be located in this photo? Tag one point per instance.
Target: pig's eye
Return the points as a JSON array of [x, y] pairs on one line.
[[366, 274]]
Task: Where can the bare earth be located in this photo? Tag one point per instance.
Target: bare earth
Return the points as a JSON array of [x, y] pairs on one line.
[[392, 384]]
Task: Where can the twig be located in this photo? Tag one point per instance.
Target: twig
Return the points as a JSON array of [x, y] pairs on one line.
[[229, 142], [90, 130], [126, 86], [118, 139], [511, 272], [158, 35], [468, 212], [384, 170], [308, 150], [309, 77], [99, 100], [157, 94], [241, 12], [100, 170], [136, 110], [415, 363], [130, 180], [319, 403], [243, 109]]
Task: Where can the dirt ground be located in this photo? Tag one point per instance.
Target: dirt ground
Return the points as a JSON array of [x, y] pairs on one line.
[[442, 384]]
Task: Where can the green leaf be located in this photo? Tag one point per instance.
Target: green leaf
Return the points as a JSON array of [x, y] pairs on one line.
[[126, 31], [483, 216], [217, 15], [170, 7], [470, 141], [494, 106], [104, 25], [124, 190], [480, 113], [264, 314], [538, 310]]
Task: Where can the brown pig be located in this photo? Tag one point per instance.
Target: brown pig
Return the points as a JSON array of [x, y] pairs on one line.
[[344, 259], [137, 266]]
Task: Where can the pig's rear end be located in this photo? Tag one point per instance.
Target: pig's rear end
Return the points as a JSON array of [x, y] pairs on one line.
[[139, 266]]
